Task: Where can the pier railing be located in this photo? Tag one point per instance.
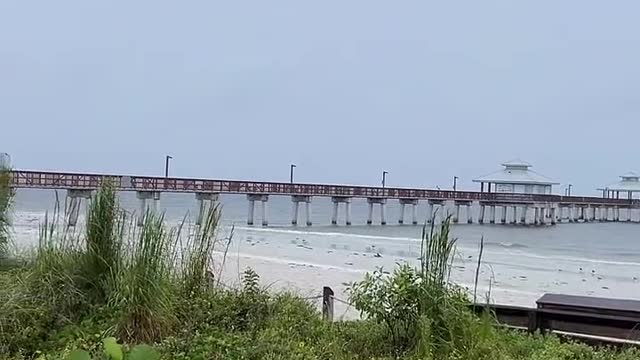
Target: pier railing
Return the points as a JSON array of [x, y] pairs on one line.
[[62, 180]]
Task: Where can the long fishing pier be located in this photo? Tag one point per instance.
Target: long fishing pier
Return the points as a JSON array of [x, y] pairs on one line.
[[512, 208]]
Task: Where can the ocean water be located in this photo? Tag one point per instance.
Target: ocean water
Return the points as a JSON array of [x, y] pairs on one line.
[[519, 263]]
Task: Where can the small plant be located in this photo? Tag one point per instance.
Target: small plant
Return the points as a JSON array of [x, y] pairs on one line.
[[422, 311], [115, 351]]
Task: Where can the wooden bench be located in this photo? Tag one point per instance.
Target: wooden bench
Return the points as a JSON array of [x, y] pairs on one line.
[[606, 317]]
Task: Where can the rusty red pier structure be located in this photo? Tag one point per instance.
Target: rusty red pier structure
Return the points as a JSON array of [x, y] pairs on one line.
[[515, 208]]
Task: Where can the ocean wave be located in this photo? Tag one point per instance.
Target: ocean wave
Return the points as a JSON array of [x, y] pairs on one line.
[[506, 245], [329, 234], [512, 249]]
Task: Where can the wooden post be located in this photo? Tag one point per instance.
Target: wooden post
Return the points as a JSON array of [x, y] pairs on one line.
[[533, 321], [327, 304]]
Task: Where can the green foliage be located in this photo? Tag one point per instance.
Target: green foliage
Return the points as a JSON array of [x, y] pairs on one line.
[[112, 349], [79, 355]]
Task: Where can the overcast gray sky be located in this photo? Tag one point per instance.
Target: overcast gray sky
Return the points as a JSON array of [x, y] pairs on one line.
[[344, 89]]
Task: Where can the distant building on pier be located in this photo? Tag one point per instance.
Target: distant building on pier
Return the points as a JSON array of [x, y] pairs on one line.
[[516, 177], [628, 185]]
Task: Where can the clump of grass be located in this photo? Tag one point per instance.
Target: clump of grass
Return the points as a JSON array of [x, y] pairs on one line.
[[105, 231], [142, 291], [197, 261]]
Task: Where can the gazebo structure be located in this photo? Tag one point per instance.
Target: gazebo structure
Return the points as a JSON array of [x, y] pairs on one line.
[[629, 183], [516, 177]]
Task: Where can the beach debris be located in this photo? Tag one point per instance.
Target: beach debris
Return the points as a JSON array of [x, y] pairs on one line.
[[605, 287], [599, 277], [377, 255], [635, 278], [584, 280], [348, 263], [580, 269]]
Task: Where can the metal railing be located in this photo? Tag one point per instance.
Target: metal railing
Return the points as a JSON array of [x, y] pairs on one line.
[[61, 180]]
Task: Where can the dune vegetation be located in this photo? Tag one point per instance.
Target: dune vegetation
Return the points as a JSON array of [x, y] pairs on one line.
[[117, 291]]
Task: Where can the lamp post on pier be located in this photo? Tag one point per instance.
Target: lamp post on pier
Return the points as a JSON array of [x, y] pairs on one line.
[[293, 166], [166, 165]]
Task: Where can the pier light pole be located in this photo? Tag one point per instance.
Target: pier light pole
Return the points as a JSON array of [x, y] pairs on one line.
[[455, 183], [166, 165], [384, 178], [569, 190], [293, 166]]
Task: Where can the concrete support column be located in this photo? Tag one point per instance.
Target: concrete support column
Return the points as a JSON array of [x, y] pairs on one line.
[[347, 213], [265, 209], [205, 201], [503, 220], [603, 213], [295, 206], [616, 213], [307, 207], [334, 214], [144, 197], [543, 211], [514, 218], [72, 210], [628, 214], [443, 211], [469, 214], [536, 215], [492, 219], [250, 215], [414, 204], [481, 216], [74, 202], [523, 219], [456, 217], [382, 202], [429, 212], [263, 199], [553, 215]]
